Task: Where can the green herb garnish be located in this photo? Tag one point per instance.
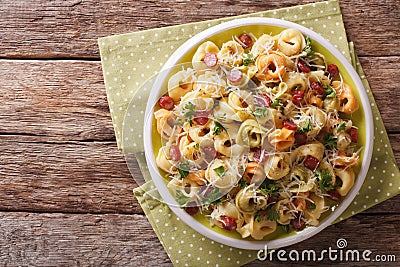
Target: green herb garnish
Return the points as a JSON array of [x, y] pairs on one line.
[[189, 111], [276, 103], [306, 127], [220, 171], [313, 206], [181, 198], [250, 59], [196, 146], [260, 112], [329, 92], [341, 127], [183, 169], [330, 140], [272, 214], [308, 48], [324, 181], [257, 218], [178, 121], [285, 227], [269, 189], [242, 183], [218, 128]]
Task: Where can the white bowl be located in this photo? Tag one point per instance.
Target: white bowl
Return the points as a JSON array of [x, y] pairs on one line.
[[158, 180]]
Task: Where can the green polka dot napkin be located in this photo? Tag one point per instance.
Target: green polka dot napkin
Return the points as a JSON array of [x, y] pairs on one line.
[[130, 60]]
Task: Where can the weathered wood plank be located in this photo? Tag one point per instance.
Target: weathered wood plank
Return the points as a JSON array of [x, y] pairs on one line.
[[66, 99], [81, 177], [76, 177], [29, 239], [47, 29], [128, 240]]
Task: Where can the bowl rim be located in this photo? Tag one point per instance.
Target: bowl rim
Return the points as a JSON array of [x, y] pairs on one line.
[[158, 180]]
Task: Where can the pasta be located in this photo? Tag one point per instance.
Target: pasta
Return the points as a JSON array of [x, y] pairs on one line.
[[254, 137]]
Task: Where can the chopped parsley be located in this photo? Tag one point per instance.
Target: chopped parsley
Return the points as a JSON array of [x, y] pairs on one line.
[[308, 48], [276, 103], [181, 198], [330, 140], [189, 111], [260, 112], [324, 181], [306, 127], [257, 218], [341, 127], [213, 197], [183, 169], [269, 189], [196, 146], [242, 183], [218, 128], [249, 59], [313, 206], [272, 214], [220, 171], [329, 92], [178, 121]]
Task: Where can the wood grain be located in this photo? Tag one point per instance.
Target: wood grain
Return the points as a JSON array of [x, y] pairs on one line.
[[30, 239], [69, 29], [66, 100], [77, 177], [81, 177]]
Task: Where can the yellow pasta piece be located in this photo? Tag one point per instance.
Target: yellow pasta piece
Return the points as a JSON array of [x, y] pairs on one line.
[[254, 173], [347, 100], [347, 177], [281, 139], [180, 84], [312, 215], [231, 53], [277, 166], [249, 134], [162, 159], [164, 123], [270, 67], [264, 44], [202, 50], [291, 42], [248, 200]]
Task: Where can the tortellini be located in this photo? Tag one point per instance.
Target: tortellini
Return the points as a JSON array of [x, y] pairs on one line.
[[180, 84], [249, 200], [231, 53], [291, 42], [270, 67], [277, 166], [263, 45], [254, 134], [249, 134], [282, 139], [347, 100], [198, 58], [210, 84]]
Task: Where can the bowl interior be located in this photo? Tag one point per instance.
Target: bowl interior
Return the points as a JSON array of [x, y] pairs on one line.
[[220, 34]]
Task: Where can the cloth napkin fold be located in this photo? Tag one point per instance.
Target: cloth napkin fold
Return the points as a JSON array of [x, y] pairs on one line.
[[130, 60]]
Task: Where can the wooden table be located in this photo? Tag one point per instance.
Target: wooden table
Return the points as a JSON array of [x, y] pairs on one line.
[[65, 191]]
